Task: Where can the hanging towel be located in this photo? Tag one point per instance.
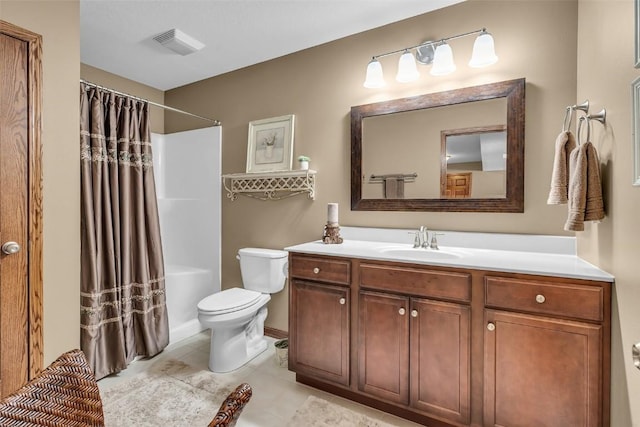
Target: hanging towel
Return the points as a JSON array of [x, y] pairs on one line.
[[565, 143], [394, 187], [585, 188]]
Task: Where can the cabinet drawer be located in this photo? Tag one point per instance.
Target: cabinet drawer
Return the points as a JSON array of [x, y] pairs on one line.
[[321, 269], [561, 299], [419, 282]]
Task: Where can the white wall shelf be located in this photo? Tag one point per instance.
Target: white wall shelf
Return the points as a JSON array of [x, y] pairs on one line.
[[270, 185]]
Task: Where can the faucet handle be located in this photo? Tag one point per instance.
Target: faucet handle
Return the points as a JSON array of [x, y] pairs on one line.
[[416, 238], [434, 240]]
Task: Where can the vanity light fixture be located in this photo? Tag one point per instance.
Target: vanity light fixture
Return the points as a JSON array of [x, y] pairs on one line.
[[438, 53]]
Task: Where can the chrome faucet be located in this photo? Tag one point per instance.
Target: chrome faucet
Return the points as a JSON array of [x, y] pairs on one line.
[[421, 239], [424, 237]]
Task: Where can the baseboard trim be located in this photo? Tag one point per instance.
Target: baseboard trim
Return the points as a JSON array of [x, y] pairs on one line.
[[275, 333]]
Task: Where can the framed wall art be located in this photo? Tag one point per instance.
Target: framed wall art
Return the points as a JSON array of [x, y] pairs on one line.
[[270, 145]]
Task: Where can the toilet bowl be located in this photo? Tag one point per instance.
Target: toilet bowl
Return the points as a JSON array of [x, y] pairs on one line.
[[236, 316]]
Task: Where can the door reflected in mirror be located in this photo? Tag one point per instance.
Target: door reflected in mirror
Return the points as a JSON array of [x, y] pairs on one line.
[[473, 163]]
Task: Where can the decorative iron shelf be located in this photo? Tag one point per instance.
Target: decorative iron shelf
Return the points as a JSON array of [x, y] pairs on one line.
[[270, 185]]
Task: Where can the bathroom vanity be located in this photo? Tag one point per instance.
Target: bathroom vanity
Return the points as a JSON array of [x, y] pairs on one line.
[[458, 336]]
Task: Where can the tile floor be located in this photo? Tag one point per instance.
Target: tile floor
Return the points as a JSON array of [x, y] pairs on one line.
[[276, 395]]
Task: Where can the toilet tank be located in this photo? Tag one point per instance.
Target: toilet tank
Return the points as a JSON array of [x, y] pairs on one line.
[[263, 270]]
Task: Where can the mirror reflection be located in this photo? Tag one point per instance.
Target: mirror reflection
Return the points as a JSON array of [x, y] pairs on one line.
[[402, 155], [460, 150], [474, 163]]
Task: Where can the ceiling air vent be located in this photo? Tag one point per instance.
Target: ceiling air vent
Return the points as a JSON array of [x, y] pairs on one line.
[[179, 42]]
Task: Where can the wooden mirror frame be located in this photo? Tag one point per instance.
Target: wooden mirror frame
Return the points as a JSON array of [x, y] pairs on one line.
[[512, 90]]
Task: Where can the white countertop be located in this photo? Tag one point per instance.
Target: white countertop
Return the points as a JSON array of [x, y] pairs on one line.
[[549, 255]]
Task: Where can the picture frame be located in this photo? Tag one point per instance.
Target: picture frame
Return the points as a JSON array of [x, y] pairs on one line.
[[636, 15], [270, 144], [635, 137]]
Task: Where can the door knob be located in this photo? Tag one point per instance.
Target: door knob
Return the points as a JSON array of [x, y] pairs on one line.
[[491, 326], [402, 311], [342, 301], [11, 248]]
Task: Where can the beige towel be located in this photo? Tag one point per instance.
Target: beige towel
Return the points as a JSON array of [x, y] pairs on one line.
[[394, 187], [585, 188], [565, 143]]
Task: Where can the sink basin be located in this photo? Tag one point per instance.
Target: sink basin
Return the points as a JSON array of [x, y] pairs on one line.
[[422, 254]]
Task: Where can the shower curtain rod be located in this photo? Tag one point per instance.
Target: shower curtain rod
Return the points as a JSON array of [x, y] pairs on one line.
[[166, 107]]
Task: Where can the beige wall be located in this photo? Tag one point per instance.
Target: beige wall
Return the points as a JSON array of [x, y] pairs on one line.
[[320, 85], [605, 72], [58, 23], [115, 82]]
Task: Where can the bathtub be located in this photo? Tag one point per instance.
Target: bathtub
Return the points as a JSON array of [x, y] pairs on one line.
[[185, 287]]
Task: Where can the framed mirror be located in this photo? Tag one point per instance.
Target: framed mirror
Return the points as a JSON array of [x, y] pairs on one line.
[[406, 152]]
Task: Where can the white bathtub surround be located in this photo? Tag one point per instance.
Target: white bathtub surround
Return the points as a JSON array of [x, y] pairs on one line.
[[187, 170], [517, 253]]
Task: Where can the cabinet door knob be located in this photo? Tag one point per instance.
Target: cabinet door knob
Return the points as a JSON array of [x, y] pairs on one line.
[[316, 270], [343, 301], [414, 313], [402, 311], [491, 326], [540, 299]]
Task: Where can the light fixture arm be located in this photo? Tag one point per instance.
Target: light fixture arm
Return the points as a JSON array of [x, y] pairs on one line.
[[432, 43]]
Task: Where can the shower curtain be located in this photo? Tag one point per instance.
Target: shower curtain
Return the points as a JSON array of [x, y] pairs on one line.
[[123, 309]]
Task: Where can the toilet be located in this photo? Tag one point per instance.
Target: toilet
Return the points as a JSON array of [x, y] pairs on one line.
[[236, 316]]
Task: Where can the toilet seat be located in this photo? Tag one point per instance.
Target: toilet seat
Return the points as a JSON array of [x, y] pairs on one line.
[[228, 301]]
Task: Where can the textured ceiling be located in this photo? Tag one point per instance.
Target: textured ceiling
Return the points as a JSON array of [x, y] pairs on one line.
[[117, 35]]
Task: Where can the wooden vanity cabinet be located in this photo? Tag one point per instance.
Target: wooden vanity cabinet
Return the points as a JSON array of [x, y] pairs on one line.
[[451, 346], [545, 347], [319, 318]]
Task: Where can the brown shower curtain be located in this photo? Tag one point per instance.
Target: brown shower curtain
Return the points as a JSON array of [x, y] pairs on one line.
[[122, 299]]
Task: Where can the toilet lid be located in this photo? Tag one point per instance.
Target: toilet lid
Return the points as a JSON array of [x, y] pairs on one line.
[[229, 300]]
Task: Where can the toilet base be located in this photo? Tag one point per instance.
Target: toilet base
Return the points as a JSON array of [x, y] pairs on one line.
[[231, 348]]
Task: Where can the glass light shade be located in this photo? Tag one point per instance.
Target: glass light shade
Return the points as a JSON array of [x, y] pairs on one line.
[[374, 78], [443, 61], [483, 51], [407, 69]]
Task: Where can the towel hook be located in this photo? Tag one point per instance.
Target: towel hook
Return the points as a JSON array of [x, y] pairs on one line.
[[584, 107], [601, 117]]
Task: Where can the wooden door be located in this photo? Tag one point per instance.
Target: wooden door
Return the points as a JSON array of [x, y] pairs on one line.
[[458, 185], [319, 331], [383, 346], [20, 208], [541, 372], [440, 359]]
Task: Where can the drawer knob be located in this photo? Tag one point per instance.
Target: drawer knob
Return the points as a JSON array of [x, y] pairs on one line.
[[402, 311], [414, 313], [343, 301], [491, 326], [316, 270], [540, 299]]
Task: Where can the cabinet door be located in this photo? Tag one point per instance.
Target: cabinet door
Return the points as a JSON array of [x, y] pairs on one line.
[[541, 372], [319, 331], [383, 346], [439, 376]]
